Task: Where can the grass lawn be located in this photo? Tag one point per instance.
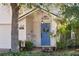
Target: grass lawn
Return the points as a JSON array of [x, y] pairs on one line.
[[37, 53]]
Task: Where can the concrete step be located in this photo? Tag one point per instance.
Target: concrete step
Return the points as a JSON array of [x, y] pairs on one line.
[[47, 49]]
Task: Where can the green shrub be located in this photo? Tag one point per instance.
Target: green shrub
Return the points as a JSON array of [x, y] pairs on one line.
[[77, 43], [71, 43], [28, 45], [61, 44]]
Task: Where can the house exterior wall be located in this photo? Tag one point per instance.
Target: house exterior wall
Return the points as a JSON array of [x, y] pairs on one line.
[[31, 24], [5, 36], [5, 14], [53, 30], [29, 27], [5, 27], [33, 28], [22, 32], [37, 28]]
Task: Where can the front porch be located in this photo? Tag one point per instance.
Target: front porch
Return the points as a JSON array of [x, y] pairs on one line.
[[31, 29]]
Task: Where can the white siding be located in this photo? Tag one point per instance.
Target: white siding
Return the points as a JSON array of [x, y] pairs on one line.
[[5, 26], [5, 14], [5, 36], [53, 30], [22, 32]]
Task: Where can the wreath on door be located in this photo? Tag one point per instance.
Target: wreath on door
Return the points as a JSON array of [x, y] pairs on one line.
[[45, 30]]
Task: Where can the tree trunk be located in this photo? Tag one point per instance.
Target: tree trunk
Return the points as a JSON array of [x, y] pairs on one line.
[[14, 28]]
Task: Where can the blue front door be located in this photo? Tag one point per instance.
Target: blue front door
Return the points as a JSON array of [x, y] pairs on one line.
[[45, 38]]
